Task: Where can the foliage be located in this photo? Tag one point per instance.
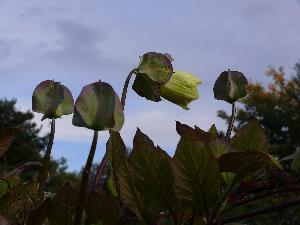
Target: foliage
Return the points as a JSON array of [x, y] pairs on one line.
[[208, 180]]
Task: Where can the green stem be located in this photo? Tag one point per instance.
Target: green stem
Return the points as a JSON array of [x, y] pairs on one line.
[[46, 161], [230, 126], [84, 181]]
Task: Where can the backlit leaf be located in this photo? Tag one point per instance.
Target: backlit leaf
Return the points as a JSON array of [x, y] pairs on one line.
[[250, 137], [63, 206], [243, 163], [102, 209], [197, 174], [153, 173]]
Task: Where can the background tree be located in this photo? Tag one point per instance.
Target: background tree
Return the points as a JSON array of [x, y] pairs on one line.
[[29, 146], [278, 109]]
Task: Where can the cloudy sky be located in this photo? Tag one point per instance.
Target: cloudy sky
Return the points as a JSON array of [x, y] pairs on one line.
[[79, 42]]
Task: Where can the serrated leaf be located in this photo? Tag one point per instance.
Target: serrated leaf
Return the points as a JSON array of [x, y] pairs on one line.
[[250, 137], [157, 66], [194, 133], [6, 138], [145, 87], [153, 173], [98, 108], [102, 209], [132, 198], [295, 166], [243, 163], [52, 99], [116, 153], [63, 206], [194, 167], [181, 89], [230, 86]]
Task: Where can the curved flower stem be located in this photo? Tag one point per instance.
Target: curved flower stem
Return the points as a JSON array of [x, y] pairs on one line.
[[84, 181], [230, 126], [104, 160], [46, 161], [126, 84]]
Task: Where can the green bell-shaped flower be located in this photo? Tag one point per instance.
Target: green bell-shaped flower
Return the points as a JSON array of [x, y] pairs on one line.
[[181, 89], [98, 107], [52, 99]]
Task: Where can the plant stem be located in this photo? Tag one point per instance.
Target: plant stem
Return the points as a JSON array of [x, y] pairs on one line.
[[46, 161], [84, 181], [230, 126], [262, 211], [104, 160], [126, 84]]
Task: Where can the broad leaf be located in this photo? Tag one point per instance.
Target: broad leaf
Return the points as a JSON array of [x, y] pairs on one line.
[[157, 66], [52, 99], [63, 206], [153, 173], [243, 163], [193, 133], [98, 108], [181, 89], [102, 209], [145, 87], [230, 86], [197, 174], [6, 138], [132, 198], [116, 153], [250, 137]]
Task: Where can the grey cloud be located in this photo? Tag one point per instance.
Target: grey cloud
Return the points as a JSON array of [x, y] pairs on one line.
[[4, 49]]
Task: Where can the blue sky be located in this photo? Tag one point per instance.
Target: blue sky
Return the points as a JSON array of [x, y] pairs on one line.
[[80, 42]]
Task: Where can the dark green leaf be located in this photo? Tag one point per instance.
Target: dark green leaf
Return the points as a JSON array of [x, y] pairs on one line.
[[52, 99], [194, 133], [63, 206], [102, 209], [145, 87], [197, 174], [230, 86], [130, 196], [250, 137], [98, 108], [116, 153], [243, 163], [153, 173], [157, 66]]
